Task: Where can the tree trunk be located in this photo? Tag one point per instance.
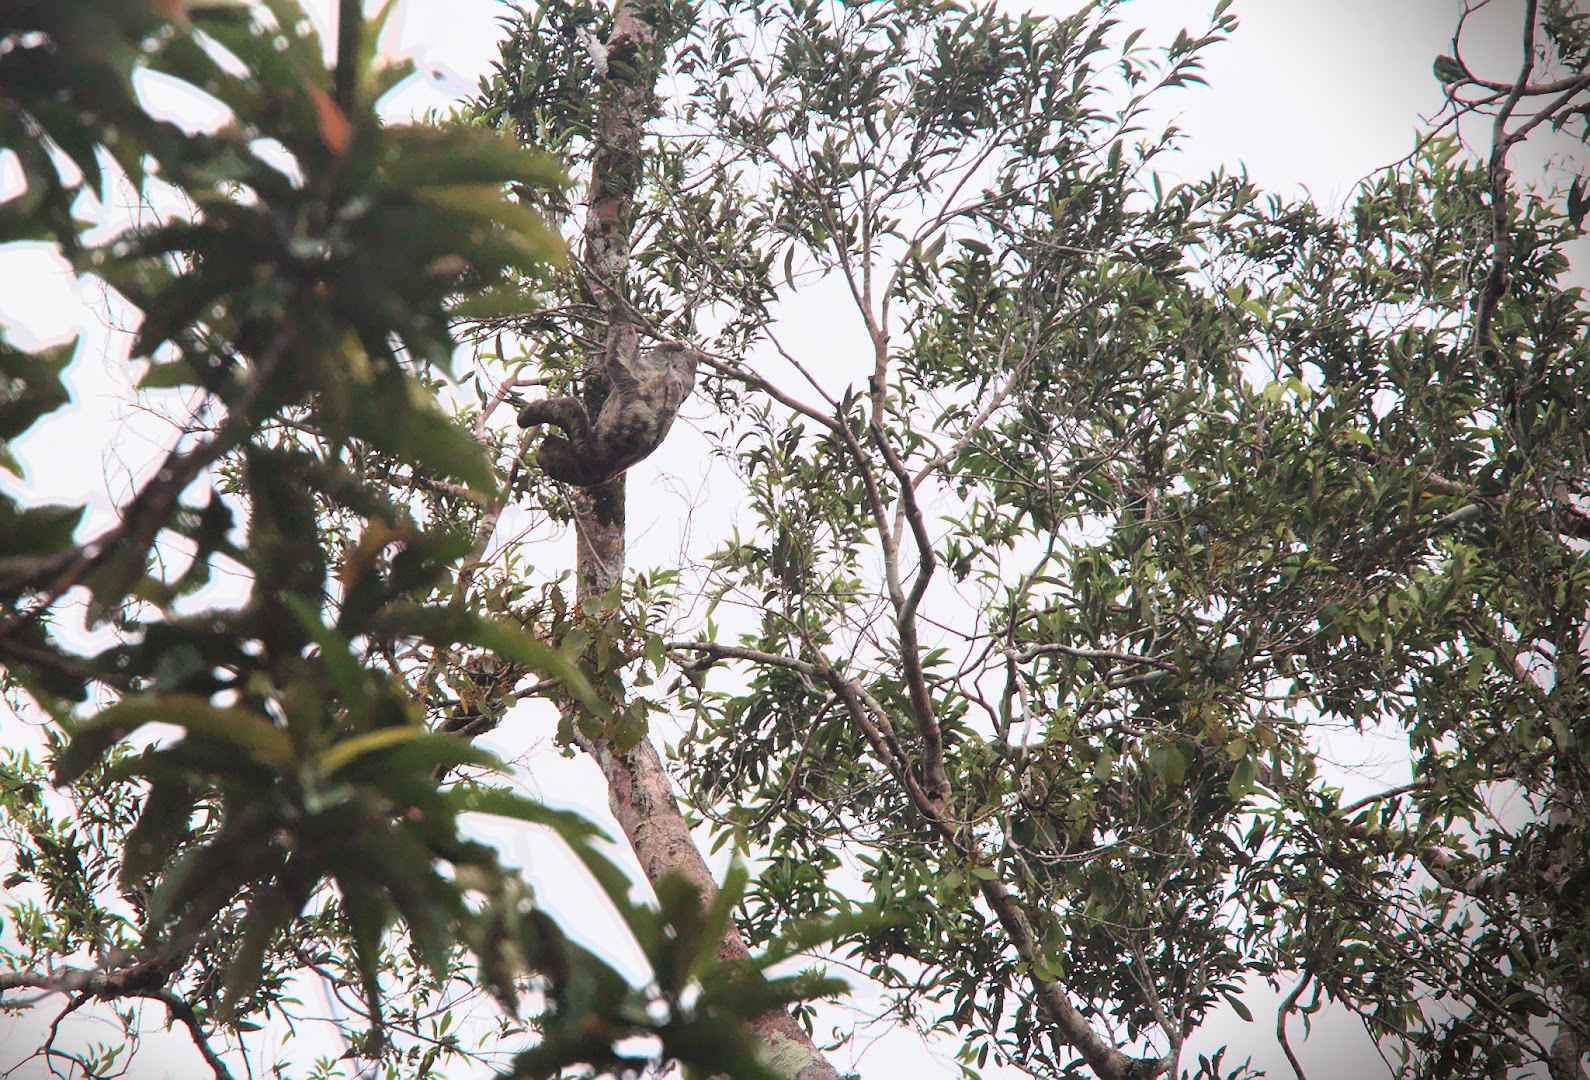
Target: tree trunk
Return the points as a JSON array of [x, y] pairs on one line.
[[639, 792]]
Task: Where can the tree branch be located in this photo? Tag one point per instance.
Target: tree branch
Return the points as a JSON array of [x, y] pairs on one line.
[[138, 979], [1288, 1004], [1108, 1062], [927, 724], [183, 1013], [151, 507], [756, 382], [639, 791], [1495, 285]]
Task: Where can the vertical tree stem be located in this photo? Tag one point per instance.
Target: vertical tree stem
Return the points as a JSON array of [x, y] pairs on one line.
[[639, 792]]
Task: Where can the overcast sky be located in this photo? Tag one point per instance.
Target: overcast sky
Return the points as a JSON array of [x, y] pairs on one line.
[[1309, 94]]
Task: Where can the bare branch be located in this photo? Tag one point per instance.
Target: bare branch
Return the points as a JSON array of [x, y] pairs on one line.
[[752, 379], [739, 652], [1288, 1004], [927, 723], [138, 979], [1495, 285], [183, 1013]]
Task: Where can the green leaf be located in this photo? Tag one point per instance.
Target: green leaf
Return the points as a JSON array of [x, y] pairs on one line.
[[426, 750], [1241, 782], [338, 657], [1168, 763], [166, 821], [427, 157], [205, 878], [268, 914], [539, 241], [428, 903], [1238, 1007], [169, 375], [446, 626], [30, 387], [246, 731], [31, 537], [500, 802], [369, 914], [399, 418], [1578, 204]]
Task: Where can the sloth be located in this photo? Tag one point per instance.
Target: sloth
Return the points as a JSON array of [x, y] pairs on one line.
[[634, 406]]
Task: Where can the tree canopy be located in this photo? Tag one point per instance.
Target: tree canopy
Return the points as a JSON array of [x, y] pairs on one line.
[[1049, 563]]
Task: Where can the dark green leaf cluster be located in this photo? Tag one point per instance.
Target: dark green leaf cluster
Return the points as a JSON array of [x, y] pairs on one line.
[[291, 808]]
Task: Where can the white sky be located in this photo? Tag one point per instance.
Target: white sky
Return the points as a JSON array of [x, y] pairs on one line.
[[1310, 94]]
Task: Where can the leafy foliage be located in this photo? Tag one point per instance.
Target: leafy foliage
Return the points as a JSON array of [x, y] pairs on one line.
[[291, 811], [1062, 576], [1139, 492]]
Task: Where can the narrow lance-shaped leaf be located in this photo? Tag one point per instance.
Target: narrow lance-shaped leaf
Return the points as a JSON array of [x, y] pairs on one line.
[[442, 625], [250, 732]]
